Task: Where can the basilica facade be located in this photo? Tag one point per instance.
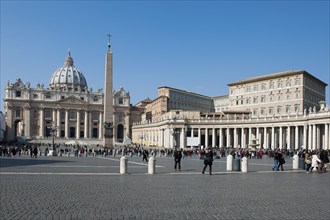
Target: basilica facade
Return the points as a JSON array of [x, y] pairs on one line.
[[67, 105]]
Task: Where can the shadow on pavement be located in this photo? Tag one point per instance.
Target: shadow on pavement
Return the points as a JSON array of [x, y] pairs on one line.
[[13, 162]]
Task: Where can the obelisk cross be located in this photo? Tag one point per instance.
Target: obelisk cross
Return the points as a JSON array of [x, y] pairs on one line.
[[109, 45]]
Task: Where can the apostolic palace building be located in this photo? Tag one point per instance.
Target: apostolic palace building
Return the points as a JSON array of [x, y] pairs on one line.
[[284, 110]]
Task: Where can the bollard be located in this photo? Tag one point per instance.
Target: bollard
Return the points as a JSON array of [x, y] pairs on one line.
[[229, 162], [151, 165], [123, 165], [295, 162], [244, 166]]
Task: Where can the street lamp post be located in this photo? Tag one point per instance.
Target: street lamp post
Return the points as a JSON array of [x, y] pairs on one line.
[[53, 131]]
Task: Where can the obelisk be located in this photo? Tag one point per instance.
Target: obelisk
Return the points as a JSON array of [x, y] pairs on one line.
[[108, 101]]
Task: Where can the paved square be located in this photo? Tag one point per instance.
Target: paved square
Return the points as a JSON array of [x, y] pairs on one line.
[[92, 188]]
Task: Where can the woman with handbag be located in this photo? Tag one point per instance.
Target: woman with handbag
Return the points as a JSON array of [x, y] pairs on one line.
[[308, 161]]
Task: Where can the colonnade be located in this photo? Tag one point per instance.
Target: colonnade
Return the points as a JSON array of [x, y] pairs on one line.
[[270, 136], [82, 123]]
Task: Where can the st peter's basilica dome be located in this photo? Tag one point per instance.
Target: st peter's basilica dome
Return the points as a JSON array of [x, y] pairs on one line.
[[68, 77]]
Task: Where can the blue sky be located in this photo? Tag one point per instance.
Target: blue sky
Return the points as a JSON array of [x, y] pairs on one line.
[[199, 46]]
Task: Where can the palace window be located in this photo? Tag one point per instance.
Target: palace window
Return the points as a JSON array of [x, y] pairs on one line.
[[95, 116], [263, 86], [296, 108], [271, 110], [255, 111], [48, 114], [262, 111], [17, 113], [18, 94], [72, 115], [48, 96], [288, 82], [255, 87], [287, 108], [121, 101], [255, 99], [297, 81], [279, 109], [263, 98], [279, 84], [271, 85]]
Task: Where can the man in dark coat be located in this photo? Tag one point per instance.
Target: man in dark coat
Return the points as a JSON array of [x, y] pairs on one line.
[[208, 159], [177, 158], [145, 155]]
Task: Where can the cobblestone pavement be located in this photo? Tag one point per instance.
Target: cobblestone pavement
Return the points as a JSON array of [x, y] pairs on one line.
[[92, 188]]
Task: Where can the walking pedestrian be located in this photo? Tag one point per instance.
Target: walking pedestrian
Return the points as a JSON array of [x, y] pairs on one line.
[[276, 159], [325, 160], [315, 162], [281, 161], [308, 162], [208, 159], [145, 156]]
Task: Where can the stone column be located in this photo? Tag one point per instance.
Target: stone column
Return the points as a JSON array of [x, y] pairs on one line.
[[159, 143], [250, 135], [42, 123], [172, 138], [305, 137], [280, 138], [265, 138], [206, 137], [182, 138], [100, 126], [78, 125], [288, 135], [257, 135], [328, 147], [235, 138], [273, 138], [318, 136], [228, 137], [220, 138], [86, 125], [27, 121], [296, 137], [66, 123], [54, 117], [199, 135], [314, 137], [213, 137], [90, 122], [310, 138], [242, 138], [58, 123], [326, 136]]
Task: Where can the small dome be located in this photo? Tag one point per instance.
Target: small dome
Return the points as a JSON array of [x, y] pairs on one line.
[[68, 76]]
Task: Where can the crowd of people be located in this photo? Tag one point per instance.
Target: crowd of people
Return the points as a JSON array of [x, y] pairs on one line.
[[313, 160]]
